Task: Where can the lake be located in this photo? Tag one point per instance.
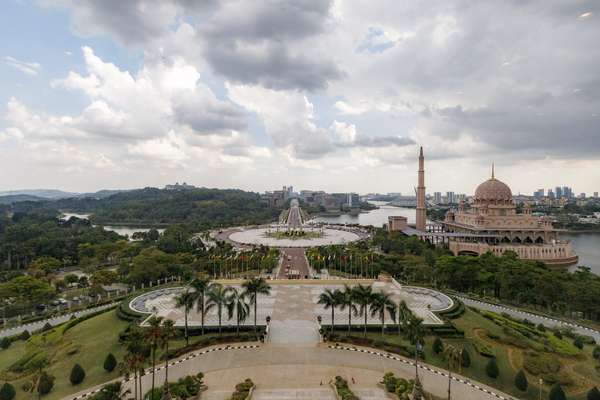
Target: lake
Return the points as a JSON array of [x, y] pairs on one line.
[[121, 230], [586, 245]]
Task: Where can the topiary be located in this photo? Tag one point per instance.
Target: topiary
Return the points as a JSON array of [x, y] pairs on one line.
[[593, 394], [110, 362], [77, 374], [7, 392], [438, 345], [541, 328], [45, 383], [465, 359], [521, 382], [578, 343], [491, 369], [596, 352], [556, 393], [24, 335], [5, 343]]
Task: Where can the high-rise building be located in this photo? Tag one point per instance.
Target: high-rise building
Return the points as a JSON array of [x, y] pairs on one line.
[[550, 194], [450, 198], [538, 194], [421, 216], [595, 195], [558, 192], [437, 197]]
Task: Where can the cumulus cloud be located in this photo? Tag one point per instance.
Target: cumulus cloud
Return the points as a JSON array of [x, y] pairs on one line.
[[29, 68]]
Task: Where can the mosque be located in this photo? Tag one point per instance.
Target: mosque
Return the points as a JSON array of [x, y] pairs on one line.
[[495, 225]]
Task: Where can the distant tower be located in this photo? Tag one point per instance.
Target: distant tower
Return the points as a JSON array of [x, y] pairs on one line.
[[421, 211]]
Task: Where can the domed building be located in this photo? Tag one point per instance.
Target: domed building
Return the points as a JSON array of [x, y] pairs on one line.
[[493, 224]]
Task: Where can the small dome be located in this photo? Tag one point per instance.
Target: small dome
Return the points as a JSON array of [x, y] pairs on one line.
[[493, 190]]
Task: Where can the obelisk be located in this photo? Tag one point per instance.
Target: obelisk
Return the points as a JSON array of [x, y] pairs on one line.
[[421, 211]]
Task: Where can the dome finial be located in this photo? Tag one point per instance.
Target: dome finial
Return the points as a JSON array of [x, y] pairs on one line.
[[493, 177]]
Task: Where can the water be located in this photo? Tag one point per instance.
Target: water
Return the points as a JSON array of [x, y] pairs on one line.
[[587, 247], [66, 216], [128, 230], [376, 217]]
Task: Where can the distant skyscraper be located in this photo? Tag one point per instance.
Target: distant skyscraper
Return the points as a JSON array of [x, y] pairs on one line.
[[437, 197], [550, 193], [421, 217], [450, 199], [595, 195], [558, 192]]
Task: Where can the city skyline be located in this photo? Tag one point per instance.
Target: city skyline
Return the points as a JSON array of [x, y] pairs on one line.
[[344, 94]]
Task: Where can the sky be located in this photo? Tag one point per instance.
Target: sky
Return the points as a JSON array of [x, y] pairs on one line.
[[331, 95]]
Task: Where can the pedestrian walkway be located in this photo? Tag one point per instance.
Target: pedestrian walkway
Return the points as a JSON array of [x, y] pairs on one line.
[[370, 394], [294, 394]]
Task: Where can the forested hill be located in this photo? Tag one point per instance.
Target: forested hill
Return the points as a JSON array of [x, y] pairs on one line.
[[199, 208]]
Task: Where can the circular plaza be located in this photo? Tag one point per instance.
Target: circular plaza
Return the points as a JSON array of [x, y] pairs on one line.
[[312, 237]]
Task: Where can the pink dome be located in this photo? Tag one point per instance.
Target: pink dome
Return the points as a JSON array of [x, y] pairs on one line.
[[493, 190]]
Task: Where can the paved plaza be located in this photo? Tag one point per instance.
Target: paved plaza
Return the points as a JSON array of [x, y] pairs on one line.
[[259, 236], [293, 305]]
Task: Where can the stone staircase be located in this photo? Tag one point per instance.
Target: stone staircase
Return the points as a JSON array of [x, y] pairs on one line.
[[325, 393]]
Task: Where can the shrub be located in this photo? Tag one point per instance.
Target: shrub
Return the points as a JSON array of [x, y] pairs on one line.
[[438, 346], [491, 369], [578, 342], [110, 362], [7, 392], [537, 364], [47, 326], [77, 374], [561, 378], [593, 394], [556, 393], [24, 335], [45, 383], [521, 381], [541, 328], [596, 352], [5, 343], [466, 359], [558, 334]]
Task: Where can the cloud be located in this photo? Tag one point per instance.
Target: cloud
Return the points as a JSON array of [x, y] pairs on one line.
[[29, 68]]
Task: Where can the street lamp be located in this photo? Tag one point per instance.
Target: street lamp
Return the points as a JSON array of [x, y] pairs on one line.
[[541, 381]]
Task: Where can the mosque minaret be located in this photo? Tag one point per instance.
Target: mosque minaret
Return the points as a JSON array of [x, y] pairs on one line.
[[421, 217]]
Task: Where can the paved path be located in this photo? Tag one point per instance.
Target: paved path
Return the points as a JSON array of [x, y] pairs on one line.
[[535, 318], [294, 262], [307, 367], [34, 326]]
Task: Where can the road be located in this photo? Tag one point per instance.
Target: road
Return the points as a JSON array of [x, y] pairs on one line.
[[535, 318], [294, 264], [307, 367], [34, 326]]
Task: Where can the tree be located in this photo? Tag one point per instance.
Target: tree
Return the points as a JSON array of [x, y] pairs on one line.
[[453, 358], [254, 287], [380, 303], [557, 393], [593, 394], [45, 383], [596, 352], [330, 299], [236, 305], [169, 333], [185, 300], [24, 335], [5, 343], [404, 315], [217, 297], [491, 368], [466, 359], [201, 287], [77, 374], [110, 362], [438, 345], [7, 392], [578, 343], [347, 300], [415, 330], [363, 297], [521, 382], [155, 335]]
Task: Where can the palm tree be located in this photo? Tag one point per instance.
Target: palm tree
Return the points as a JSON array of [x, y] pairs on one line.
[[363, 297], [330, 299], [185, 300], [201, 287], [131, 364], [415, 333], [155, 335], [169, 332], [348, 301], [236, 303], [137, 350], [217, 297], [380, 303], [254, 287], [453, 357], [404, 315]]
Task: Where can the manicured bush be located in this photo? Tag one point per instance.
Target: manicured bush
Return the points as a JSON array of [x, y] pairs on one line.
[[540, 363], [5, 343], [521, 381], [578, 343], [24, 335], [541, 328], [593, 394], [491, 369], [7, 392], [556, 393], [77, 374], [45, 383], [596, 352], [110, 362], [438, 345], [558, 334], [465, 359]]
